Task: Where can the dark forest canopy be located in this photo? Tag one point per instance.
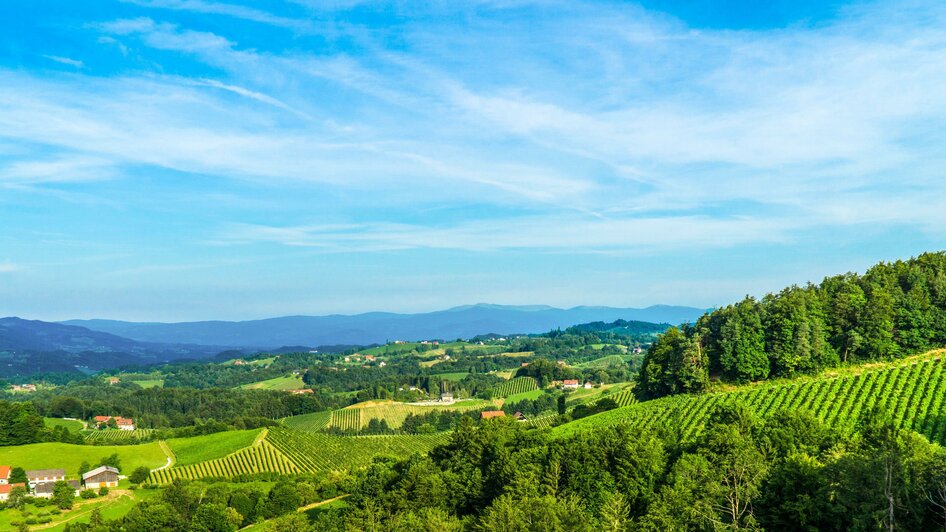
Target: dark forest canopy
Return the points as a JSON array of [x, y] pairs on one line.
[[894, 310]]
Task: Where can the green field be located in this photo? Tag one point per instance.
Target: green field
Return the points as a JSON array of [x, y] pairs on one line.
[[72, 425], [69, 457], [150, 383], [455, 376], [911, 390], [602, 346], [357, 416], [515, 386], [531, 395], [258, 458], [289, 382], [212, 446], [605, 362]]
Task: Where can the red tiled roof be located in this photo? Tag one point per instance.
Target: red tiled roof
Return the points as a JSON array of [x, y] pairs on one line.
[[570, 381], [5, 488], [4, 471], [489, 414]]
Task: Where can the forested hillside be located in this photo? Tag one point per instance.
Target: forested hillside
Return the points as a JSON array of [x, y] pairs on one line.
[[893, 310]]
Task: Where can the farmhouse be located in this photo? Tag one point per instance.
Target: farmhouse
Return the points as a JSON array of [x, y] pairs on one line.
[[570, 384], [588, 385], [301, 391], [46, 489], [5, 490], [24, 387], [490, 414], [36, 476], [446, 397], [370, 358], [518, 416], [4, 474], [113, 380], [102, 476]]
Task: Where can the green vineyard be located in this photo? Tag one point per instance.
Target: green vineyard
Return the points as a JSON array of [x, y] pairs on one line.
[[290, 451], [322, 452], [309, 422], [542, 422], [604, 362], [346, 419], [514, 386], [259, 458], [112, 436], [623, 398], [912, 392]]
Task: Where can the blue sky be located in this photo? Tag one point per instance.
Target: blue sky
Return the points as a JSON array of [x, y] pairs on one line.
[[199, 159]]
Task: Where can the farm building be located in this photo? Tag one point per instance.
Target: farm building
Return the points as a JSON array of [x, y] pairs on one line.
[[102, 476], [301, 391], [518, 416], [588, 385], [570, 384], [446, 397], [113, 380], [490, 414], [4, 474], [46, 489], [36, 476], [124, 423], [5, 490], [24, 387]]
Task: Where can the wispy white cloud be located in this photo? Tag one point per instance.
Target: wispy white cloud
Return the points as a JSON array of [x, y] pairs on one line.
[[8, 267], [227, 9], [65, 61]]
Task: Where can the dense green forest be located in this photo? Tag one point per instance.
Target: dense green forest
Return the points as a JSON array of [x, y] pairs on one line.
[[785, 472], [893, 310]]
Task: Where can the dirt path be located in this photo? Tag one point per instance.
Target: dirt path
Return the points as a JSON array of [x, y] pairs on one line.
[[167, 452], [320, 503], [75, 512]]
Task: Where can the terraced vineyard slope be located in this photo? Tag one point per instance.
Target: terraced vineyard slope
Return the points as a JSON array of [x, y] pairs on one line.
[[913, 390], [515, 386], [323, 452], [357, 416]]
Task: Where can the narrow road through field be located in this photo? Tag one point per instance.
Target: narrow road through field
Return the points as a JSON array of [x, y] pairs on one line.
[[167, 452], [74, 513], [320, 503]]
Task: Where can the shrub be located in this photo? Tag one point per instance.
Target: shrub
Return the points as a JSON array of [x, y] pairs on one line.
[[87, 494], [103, 491]]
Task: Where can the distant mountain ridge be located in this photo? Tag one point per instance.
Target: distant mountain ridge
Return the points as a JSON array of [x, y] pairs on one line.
[[379, 327], [32, 346]]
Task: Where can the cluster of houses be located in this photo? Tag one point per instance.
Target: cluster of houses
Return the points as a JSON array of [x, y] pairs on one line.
[[368, 358], [23, 387], [123, 423], [42, 482]]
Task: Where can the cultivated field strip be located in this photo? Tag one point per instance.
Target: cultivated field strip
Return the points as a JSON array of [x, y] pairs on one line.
[[314, 422], [323, 452], [116, 435], [353, 418], [913, 394], [514, 386], [622, 398], [258, 458]]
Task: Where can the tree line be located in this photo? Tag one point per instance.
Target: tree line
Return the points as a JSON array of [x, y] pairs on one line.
[[893, 310]]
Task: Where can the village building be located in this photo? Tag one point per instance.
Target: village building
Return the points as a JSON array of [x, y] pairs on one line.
[[570, 384], [518, 416], [113, 380], [382, 364], [46, 489], [301, 391], [370, 358], [24, 387], [5, 490], [588, 385], [101, 477], [5, 474], [490, 414], [446, 397], [37, 476]]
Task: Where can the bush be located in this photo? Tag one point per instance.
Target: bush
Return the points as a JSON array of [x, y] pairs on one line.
[[103, 491], [32, 521], [87, 494]]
